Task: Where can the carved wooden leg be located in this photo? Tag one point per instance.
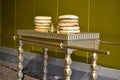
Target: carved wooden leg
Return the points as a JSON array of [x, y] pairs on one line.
[[68, 62], [93, 67], [20, 60], [45, 63]]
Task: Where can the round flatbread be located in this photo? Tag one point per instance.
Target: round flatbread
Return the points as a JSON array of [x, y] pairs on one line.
[[42, 24], [42, 30], [70, 28], [68, 24], [70, 31], [68, 21], [42, 27], [42, 21], [43, 17], [69, 16]]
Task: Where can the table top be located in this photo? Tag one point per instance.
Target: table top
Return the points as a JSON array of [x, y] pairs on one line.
[[58, 36]]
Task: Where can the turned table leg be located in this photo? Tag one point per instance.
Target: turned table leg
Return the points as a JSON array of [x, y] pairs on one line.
[[45, 57], [93, 67], [20, 60], [68, 62]]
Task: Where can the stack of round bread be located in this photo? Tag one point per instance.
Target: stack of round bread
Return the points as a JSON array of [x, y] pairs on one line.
[[42, 23], [68, 24]]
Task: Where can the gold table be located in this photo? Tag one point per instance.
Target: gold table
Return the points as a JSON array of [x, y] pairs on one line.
[[66, 42]]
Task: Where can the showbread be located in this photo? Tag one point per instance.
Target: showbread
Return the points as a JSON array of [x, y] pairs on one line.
[[42, 24], [42, 30], [69, 28], [43, 17], [42, 21], [70, 16], [68, 21], [42, 27], [69, 31], [68, 24]]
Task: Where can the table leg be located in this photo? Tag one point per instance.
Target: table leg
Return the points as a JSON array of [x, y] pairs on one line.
[[68, 62], [20, 60], [45, 57], [93, 67]]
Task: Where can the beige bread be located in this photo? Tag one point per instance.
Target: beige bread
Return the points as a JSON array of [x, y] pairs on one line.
[[42, 21], [69, 16], [68, 21], [43, 17], [42, 27], [42, 30], [42, 24], [69, 28], [68, 24], [69, 31]]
